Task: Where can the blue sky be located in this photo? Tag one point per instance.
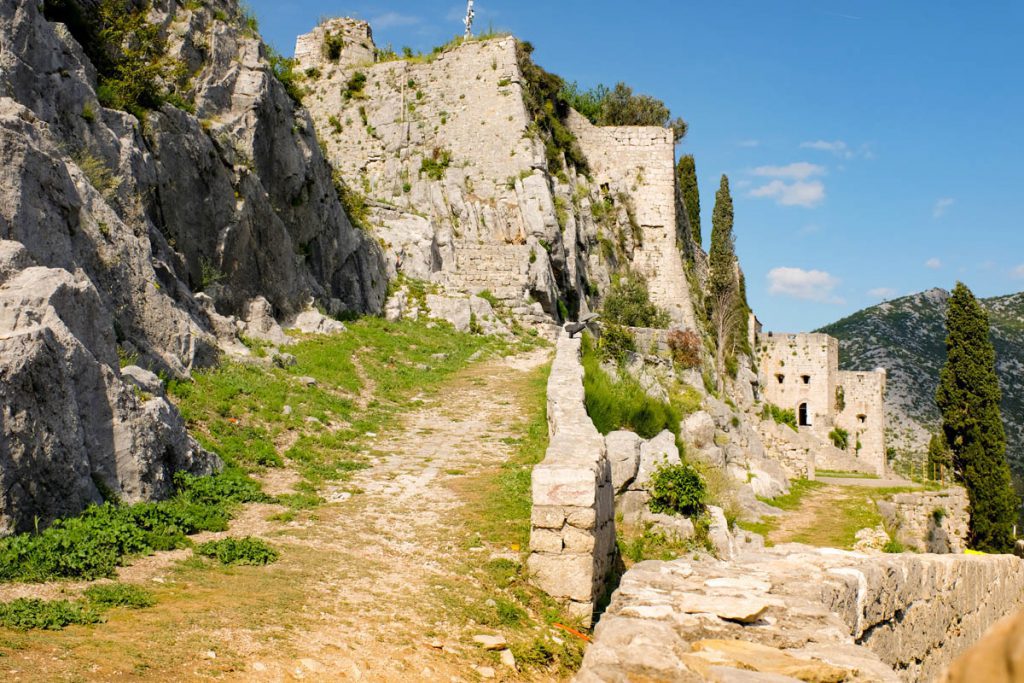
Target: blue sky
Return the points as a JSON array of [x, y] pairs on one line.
[[874, 148]]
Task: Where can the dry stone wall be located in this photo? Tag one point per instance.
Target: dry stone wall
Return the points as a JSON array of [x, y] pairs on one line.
[[798, 611], [572, 538], [930, 521]]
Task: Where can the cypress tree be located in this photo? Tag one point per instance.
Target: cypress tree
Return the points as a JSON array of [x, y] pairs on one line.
[[723, 249], [686, 171], [723, 286], [968, 397]]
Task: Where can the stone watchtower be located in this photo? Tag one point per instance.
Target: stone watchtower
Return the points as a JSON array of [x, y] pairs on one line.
[[800, 372], [335, 42]]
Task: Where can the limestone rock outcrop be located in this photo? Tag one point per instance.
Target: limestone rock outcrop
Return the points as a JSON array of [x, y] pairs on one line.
[[116, 226], [73, 427]]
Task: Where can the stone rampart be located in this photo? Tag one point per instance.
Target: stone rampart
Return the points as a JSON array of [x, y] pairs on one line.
[[639, 162], [929, 521], [572, 538], [839, 615]]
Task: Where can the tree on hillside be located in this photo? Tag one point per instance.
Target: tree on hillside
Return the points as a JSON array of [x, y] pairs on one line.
[[726, 298], [686, 171], [968, 397]]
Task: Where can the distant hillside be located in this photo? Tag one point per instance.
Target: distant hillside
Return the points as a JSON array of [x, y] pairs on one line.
[[906, 336]]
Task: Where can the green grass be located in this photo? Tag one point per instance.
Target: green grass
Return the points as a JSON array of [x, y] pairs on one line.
[[798, 488], [498, 594], [234, 551], [119, 595], [238, 410], [623, 403], [845, 475]]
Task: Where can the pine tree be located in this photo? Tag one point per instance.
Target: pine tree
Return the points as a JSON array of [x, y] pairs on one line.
[[686, 171], [968, 397]]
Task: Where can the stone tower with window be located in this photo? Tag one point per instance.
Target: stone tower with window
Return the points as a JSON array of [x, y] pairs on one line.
[[800, 372]]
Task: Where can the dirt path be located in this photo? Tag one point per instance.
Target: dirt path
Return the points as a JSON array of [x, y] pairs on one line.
[[369, 587]]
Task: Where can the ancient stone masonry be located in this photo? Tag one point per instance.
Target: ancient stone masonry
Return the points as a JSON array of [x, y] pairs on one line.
[[800, 613], [439, 148], [639, 163], [800, 372], [572, 539], [929, 521], [458, 187]]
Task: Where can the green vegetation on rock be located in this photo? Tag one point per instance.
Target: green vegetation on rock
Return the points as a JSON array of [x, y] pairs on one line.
[[618, 106], [628, 302]]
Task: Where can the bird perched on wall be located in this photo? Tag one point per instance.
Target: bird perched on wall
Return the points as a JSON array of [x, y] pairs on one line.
[[574, 328]]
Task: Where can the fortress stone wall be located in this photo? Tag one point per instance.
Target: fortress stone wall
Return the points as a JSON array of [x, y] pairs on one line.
[[800, 372], [639, 162], [572, 537]]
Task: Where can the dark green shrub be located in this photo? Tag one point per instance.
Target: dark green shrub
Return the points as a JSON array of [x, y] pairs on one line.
[[119, 595], [283, 68], [334, 43], [677, 490], [618, 106], [616, 342], [93, 544], [50, 615], [354, 87], [248, 550], [628, 302], [840, 438], [782, 416]]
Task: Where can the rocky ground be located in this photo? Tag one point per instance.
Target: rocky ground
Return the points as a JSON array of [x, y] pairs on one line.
[[383, 583]]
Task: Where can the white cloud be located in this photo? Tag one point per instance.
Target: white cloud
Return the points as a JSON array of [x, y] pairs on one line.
[[393, 19], [798, 193], [800, 170], [809, 285], [942, 206], [839, 148], [933, 263], [748, 143], [882, 293], [1018, 272]]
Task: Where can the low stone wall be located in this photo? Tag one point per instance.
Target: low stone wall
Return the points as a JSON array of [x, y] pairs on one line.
[[929, 521], [572, 538], [800, 609]]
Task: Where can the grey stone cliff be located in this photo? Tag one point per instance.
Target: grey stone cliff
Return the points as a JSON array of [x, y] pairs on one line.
[[113, 227]]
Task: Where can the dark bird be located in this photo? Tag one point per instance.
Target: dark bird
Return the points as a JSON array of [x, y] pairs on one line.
[[574, 328]]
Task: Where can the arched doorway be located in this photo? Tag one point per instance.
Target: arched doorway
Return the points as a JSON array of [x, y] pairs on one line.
[[803, 419]]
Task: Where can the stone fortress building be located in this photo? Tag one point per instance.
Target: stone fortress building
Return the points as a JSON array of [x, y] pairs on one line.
[[800, 372]]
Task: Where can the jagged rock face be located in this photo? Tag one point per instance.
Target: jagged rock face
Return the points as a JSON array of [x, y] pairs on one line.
[[115, 225], [235, 199], [907, 337], [71, 424]]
